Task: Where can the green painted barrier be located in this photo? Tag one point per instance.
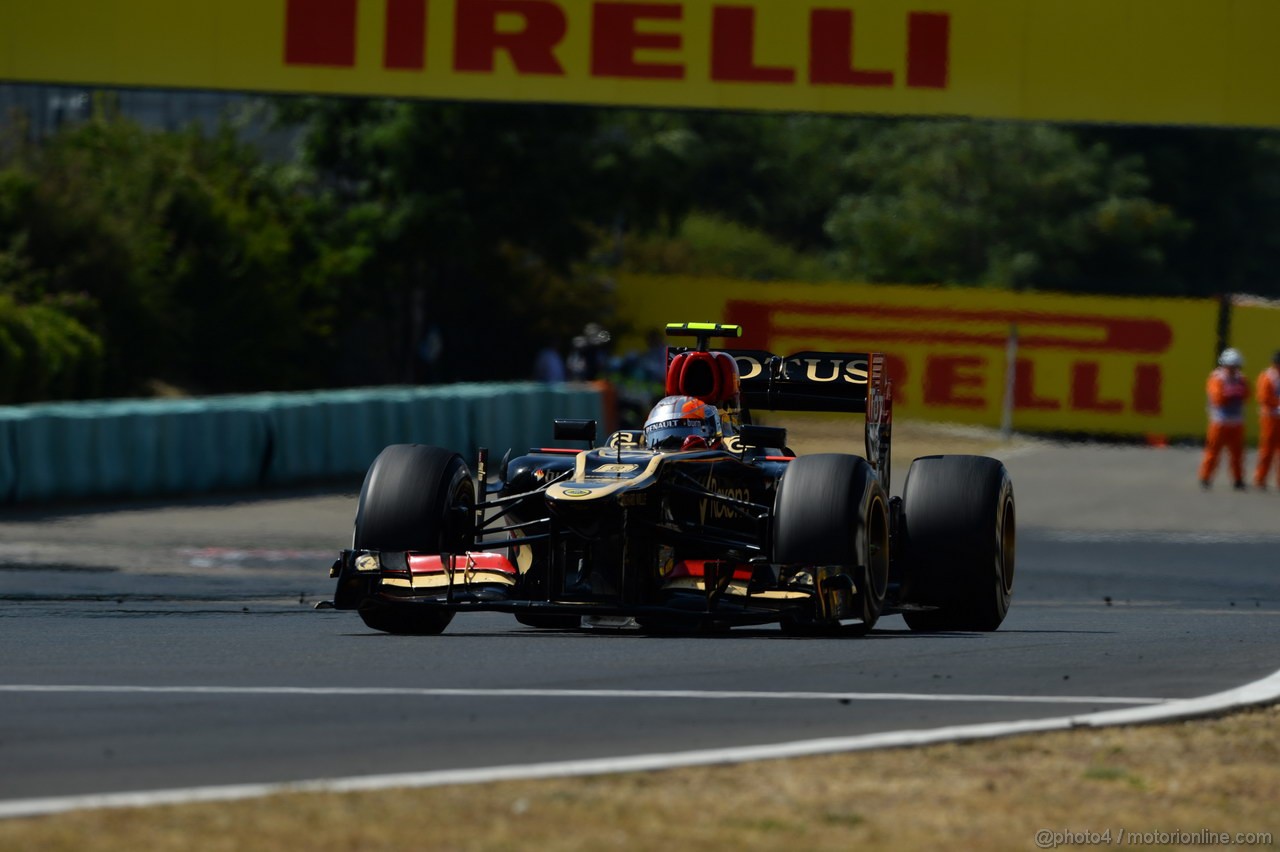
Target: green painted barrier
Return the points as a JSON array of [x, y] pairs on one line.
[[139, 448], [523, 416], [9, 453], [59, 451], [133, 448], [363, 426], [333, 435], [210, 446]]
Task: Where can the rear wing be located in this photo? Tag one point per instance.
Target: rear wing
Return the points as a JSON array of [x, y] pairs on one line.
[[851, 382], [806, 381]]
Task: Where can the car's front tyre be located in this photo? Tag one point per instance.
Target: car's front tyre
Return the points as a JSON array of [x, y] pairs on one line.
[[414, 498], [830, 512]]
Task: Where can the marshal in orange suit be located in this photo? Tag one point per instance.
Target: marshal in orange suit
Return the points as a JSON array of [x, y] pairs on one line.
[[1268, 399], [1227, 390]]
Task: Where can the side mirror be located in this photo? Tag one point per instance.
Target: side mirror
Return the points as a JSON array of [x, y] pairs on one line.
[[576, 430], [762, 437]]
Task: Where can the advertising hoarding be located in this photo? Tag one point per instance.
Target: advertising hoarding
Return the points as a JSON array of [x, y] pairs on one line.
[[1084, 364], [1137, 61]]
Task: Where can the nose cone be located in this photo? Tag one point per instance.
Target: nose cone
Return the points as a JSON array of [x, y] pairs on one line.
[[590, 512]]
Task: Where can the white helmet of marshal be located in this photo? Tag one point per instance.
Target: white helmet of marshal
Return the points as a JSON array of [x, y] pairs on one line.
[[1230, 357]]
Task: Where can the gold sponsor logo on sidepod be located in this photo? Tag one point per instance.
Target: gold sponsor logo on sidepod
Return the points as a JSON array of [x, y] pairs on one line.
[[716, 509]]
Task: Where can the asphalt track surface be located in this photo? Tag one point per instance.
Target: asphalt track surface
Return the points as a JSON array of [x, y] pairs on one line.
[[151, 647]]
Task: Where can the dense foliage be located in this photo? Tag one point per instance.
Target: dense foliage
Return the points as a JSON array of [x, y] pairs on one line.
[[414, 241], [182, 254], [45, 353]]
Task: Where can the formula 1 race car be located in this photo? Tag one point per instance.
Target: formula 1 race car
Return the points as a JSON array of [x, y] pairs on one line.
[[702, 520]]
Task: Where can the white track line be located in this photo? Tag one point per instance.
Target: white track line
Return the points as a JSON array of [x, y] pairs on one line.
[[1151, 537], [629, 694], [1261, 691]]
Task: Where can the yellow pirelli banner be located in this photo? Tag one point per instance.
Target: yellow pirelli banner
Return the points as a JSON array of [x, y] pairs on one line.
[[1141, 61], [1085, 364]]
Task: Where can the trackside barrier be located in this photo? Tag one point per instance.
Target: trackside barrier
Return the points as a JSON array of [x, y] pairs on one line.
[[8, 467], [517, 421], [138, 448]]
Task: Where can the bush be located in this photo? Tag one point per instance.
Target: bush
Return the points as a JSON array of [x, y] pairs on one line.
[[187, 258], [709, 245], [46, 354]]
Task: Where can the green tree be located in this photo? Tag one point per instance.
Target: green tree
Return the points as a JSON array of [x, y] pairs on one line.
[[186, 255], [1020, 205], [1226, 185], [464, 218], [707, 245], [777, 174]]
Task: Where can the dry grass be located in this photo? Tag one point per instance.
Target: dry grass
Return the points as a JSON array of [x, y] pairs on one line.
[[1220, 775]]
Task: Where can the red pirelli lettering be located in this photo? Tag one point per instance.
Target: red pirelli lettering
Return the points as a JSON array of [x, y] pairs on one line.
[[946, 376], [928, 50], [831, 52], [1148, 389], [406, 35], [624, 36], [1024, 389], [1093, 333], [320, 32], [898, 372], [959, 380], [616, 37], [1084, 390], [733, 48], [478, 37]]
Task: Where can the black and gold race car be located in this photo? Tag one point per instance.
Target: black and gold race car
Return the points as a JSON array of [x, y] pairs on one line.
[[702, 520]]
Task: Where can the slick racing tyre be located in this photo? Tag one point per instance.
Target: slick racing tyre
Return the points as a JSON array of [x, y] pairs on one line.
[[959, 540], [415, 498], [831, 513]]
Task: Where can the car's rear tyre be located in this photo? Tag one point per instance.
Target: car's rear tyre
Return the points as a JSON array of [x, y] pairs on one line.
[[414, 498], [959, 535], [830, 512]]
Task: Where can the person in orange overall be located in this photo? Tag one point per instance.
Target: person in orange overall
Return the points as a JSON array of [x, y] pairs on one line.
[[1228, 390], [1268, 398]]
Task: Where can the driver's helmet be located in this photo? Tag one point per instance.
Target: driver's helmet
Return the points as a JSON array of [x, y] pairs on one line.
[[682, 423]]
